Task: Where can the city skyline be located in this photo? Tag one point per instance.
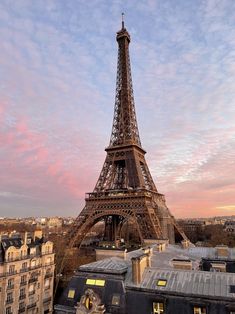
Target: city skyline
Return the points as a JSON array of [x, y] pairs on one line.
[[58, 64]]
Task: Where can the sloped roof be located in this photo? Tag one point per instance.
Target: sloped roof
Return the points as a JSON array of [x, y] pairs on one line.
[[198, 283], [112, 265]]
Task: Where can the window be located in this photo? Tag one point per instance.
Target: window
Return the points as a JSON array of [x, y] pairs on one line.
[[10, 283], [8, 310], [11, 269], [95, 282], [24, 266], [21, 305], [9, 296], [48, 260], [199, 310], [232, 289], [33, 263], [71, 293], [22, 291], [116, 299], [47, 282], [23, 279], [158, 307], [161, 283]]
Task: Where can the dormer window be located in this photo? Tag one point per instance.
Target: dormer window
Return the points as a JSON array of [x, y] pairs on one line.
[[199, 310]]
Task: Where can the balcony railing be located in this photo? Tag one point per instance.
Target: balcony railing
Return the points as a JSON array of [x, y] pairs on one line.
[[31, 305], [11, 273], [49, 275], [6, 274], [47, 300], [23, 283], [35, 266], [10, 287], [28, 256], [21, 310], [33, 280]]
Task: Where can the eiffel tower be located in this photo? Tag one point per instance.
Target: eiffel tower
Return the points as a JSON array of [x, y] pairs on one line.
[[125, 191]]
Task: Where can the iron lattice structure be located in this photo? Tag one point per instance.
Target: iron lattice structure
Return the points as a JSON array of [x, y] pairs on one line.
[[125, 190]]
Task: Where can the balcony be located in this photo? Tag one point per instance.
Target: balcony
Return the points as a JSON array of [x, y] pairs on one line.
[[32, 292], [49, 275], [23, 270], [30, 306], [46, 300], [31, 280], [22, 309], [11, 273], [10, 287], [9, 301], [22, 296], [23, 283], [35, 267]]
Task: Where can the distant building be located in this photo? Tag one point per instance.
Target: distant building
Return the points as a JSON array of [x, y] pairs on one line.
[[26, 274], [155, 281], [55, 222], [192, 228]]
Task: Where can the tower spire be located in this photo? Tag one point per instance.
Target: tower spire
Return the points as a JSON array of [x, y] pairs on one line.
[[125, 129]]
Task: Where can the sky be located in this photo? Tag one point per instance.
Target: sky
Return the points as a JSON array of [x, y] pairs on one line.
[[57, 85]]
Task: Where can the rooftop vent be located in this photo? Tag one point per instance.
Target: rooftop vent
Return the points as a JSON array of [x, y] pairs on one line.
[[222, 251], [185, 264]]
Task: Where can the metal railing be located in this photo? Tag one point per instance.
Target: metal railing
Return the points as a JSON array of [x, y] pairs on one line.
[[23, 283], [31, 305], [47, 300], [33, 280]]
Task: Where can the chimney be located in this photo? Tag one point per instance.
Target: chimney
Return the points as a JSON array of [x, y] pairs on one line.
[[185, 244], [26, 237], [185, 264], [37, 234], [139, 264]]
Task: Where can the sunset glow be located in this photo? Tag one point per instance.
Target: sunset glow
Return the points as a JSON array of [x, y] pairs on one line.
[[57, 81]]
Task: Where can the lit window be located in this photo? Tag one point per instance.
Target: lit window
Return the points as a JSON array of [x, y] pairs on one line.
[[100, 283], [116, 299], [90, 282], [158, 308], [199, 310], [71, 293], [95, 282], [161, 283]]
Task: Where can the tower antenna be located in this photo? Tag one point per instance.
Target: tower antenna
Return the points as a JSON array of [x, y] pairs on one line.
[[122, 20]]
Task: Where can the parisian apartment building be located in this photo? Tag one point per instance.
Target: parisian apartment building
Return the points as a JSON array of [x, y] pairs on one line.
[[26, 274]]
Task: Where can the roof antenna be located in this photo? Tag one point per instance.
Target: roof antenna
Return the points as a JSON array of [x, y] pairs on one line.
[[122, 20]]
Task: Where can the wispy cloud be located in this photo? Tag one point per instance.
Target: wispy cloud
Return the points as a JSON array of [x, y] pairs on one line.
[[57, 82]]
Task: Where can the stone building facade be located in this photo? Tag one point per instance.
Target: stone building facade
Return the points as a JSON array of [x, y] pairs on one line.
[[26, 274]]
